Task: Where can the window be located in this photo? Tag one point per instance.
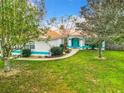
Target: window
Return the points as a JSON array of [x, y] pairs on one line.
[[32, 45], [27, 46]]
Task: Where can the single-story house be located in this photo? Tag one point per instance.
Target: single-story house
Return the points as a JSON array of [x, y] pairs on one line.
[[55, 38]]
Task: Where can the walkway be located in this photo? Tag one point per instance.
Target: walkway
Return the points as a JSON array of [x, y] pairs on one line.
[[73, 51]]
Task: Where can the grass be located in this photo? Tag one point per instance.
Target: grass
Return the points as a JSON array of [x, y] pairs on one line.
[[81, 73]]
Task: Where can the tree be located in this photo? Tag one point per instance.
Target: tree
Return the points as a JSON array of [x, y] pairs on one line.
[[19, 21], [65, 25], [102, 17]]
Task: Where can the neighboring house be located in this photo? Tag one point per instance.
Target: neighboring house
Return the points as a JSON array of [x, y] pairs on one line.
[[75, 39]]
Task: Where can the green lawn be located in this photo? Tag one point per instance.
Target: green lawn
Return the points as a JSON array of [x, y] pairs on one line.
[[82, 73]]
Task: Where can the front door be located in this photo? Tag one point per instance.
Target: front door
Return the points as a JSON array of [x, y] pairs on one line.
[[75, 42]]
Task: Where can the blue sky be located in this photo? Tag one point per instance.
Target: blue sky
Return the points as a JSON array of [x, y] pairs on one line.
[[58, 8]]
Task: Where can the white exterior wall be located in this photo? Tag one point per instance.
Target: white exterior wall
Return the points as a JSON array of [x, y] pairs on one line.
[[56, 42], [69, 42], [103, 45], [42, 47], [82, 43]]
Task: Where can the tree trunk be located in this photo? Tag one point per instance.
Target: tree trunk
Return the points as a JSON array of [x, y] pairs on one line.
[[100, 50], [7, 67], [65, 43]]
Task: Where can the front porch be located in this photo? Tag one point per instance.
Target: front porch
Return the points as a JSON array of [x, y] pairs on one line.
[[77, 43]]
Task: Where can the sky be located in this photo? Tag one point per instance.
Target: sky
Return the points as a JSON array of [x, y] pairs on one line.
[[59, 8]]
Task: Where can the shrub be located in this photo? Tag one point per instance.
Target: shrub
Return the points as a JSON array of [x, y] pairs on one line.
[[26, 52], [62, 46], [55, 51], [93, 46]]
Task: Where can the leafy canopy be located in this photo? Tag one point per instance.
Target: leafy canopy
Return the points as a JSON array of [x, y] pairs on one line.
[[19, 21]]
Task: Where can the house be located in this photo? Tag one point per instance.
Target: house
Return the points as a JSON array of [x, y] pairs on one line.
[[42, 46], [75, 39], [56, 38]]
